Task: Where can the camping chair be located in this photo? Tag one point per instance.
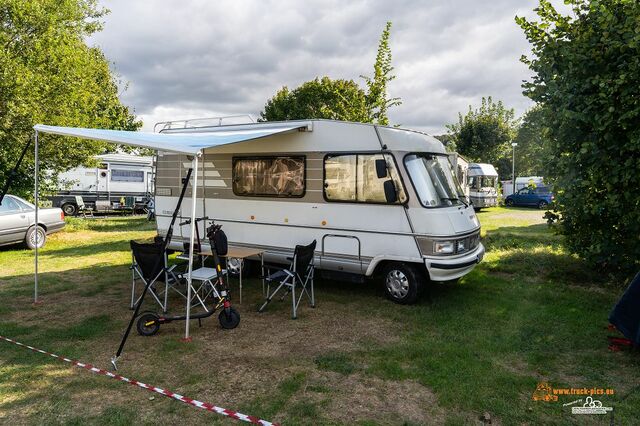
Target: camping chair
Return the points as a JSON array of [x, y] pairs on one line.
[[82, 207], [299, 273], [149, 264]]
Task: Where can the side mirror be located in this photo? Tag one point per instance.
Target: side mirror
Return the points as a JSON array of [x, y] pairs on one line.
[[390, 193], [381, 168]]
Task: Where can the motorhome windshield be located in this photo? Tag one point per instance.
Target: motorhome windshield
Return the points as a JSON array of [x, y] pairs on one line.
[[483, 183], [434, 180]]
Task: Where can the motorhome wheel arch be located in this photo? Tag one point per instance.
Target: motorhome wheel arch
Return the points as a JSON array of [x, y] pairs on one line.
[[409, 222]]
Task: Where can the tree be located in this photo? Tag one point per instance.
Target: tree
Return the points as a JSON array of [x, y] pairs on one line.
[[319, 98], [377, 98], [338, 99], [485, 134], [532, 152], [587, 76], [49, 75]]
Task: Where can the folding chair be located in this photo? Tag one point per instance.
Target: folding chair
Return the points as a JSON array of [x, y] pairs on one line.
[[149, 264], [130, 204], [82, 207], [299, 273]]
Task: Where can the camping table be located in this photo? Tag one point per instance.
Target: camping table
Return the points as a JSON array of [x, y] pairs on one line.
[[242, 253]]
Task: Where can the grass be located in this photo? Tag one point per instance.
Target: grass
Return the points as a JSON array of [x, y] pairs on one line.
[[530, 312]]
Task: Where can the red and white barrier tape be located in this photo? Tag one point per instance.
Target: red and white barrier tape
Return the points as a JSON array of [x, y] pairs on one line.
[[178, 397]]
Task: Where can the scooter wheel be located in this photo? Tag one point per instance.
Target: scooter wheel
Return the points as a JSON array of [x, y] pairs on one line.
[[148, 324], [229, 320]]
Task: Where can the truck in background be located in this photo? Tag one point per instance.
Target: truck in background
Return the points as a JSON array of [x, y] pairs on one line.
[[120, 181]]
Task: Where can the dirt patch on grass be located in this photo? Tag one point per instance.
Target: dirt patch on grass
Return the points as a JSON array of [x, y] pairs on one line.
[[359, 397]]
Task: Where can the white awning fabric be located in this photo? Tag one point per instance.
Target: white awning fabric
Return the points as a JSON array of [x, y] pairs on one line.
[[183, 143]]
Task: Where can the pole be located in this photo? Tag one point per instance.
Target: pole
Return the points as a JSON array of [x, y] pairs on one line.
[[35, 195], [513, 169], [194, 188]]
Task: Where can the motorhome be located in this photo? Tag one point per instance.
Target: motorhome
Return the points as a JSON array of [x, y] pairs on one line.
[[483, 185], [116, 178], [379, 201]]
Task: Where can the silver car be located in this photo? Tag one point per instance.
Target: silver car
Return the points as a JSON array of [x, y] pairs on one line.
[[18, 218]]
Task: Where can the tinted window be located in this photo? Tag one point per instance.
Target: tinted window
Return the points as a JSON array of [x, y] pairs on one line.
[[269, 176], [9, 205], [121, 175], [542, 190], [353, 177]]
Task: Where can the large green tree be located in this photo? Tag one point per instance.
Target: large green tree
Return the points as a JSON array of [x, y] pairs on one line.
[[319, 98], [339, 99], [587, 76], [485, 134], [533, 151], [49, 75]]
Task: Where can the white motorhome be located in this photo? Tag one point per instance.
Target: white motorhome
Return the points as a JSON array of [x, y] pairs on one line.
[[378, 200], [483, 185], [117, 177]]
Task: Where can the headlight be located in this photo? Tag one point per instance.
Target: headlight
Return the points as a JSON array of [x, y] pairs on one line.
[[444, 247], [462, 246]]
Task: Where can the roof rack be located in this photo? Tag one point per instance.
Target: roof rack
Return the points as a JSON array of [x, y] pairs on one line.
[[203, 122]]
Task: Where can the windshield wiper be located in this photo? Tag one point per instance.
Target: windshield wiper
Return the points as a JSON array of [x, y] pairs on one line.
[[456, 199]]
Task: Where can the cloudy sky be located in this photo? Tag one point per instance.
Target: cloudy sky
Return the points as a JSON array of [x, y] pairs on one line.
[[199, 58]]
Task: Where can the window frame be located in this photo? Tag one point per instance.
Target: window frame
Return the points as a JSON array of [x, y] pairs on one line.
[[413, 186], [126, 170], [235, 159], [395, 163]]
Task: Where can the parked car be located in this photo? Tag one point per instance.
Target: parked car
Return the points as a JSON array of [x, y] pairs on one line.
[[18, 218], [539, 197]]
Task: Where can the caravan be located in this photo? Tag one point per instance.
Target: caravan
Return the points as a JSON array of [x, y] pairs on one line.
[[379, 201]]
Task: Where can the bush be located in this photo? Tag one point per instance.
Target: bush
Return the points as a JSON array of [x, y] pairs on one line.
[[587, 80]]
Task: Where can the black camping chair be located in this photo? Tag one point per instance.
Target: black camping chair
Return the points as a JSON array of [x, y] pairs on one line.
[[625, 317], [150, 266], [299, 273]]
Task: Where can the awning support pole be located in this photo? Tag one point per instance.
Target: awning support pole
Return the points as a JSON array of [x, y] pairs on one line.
[[35, 195], [194, 189]]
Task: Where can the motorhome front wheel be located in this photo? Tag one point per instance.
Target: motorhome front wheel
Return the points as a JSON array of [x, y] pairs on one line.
[[401, 283]]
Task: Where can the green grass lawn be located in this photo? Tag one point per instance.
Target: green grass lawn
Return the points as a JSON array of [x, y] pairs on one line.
[[529, 313]]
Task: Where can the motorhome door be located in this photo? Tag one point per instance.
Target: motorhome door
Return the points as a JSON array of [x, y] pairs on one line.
[[102, 178], [341, 252]]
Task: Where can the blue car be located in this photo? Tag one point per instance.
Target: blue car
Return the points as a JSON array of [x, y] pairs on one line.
[[539, 197]]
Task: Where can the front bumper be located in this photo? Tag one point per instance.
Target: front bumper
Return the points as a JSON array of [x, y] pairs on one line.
[[448, 268]]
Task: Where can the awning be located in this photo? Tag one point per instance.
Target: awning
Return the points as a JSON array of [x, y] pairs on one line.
[[184, 143]]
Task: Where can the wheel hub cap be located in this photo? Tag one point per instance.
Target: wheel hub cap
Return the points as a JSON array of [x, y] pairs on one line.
[[397, 284]]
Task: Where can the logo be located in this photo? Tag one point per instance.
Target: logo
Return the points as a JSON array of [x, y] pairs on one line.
[[543, 393], [591, 406]]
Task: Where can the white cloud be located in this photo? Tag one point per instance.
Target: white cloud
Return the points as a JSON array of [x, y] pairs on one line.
[[185, 59]]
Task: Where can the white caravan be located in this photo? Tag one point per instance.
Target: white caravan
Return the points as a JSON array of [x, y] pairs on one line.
[[378, 200], [483, 185], [521, 182], [117, 176]]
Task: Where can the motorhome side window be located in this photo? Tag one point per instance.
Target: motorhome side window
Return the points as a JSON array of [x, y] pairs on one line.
[[269, 176], [121, 175], [353, 177]]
